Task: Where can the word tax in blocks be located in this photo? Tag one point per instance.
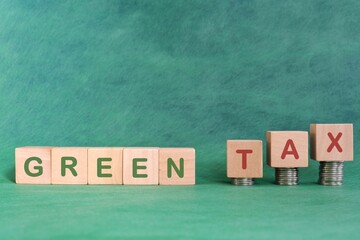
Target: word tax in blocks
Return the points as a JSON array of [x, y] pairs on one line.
[[105, 165]]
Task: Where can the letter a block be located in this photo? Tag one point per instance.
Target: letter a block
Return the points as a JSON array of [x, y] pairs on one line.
[[69, 165], [332, 142], [105, 165], [33, 165], [244, 159], [177, 166], [287, 149], [141, 166]]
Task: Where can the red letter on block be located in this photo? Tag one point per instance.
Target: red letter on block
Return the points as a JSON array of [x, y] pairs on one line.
[[244, 156], [334, 142], [293, 150]]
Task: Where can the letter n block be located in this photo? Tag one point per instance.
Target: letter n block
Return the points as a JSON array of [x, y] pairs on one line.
[[33, 165], [69, 165], [244, 159], [105, 165], [287, 149], [177, 166], [332, 142], [141, 166]]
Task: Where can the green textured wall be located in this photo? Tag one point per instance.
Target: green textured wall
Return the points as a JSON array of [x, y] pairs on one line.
[[177, 73]]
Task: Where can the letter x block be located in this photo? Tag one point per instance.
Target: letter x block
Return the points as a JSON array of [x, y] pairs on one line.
[[332, 142], [244, 159], [287, 149], [69, 165], [141, 166], [33, 165]]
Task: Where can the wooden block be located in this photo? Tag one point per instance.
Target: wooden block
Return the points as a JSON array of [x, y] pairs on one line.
[[332, 142], [141, 166], [69, 165], [105, 165], [287, 149], [177, 166], [244, 159], [33, 165]]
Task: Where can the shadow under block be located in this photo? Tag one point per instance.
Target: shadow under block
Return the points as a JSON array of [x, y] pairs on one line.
[[332, 142], [105, 165], [69, 165], [33, 165], [287, 149], [177, 166], [244, 159], [141, 166]]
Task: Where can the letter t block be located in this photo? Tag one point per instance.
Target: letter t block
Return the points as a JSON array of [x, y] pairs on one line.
[[244, 159]]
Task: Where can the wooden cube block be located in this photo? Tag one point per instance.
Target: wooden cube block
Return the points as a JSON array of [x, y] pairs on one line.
[[332, 142], [69, 165], [287, 149], [244, 159], [141, 166], [177, 166], [33, 165], [105, 165]]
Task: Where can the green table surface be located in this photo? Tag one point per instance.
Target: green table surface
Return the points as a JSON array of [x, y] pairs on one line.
[[177, 73]]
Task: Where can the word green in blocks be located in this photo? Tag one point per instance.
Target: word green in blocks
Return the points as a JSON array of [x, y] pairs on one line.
[[105, 165]]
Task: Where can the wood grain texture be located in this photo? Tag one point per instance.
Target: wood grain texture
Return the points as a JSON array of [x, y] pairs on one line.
[[321, 144], [109, 158], [144, 162], [70, 177], [276, 143], [24, 153], [176, 154], [236, 165]]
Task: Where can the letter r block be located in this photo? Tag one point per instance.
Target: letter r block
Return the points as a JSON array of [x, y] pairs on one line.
[[105, 165], [69, 165], [287, 149], [33, 165], [177, 166], [244, 159], [332, 142], [141, 166]]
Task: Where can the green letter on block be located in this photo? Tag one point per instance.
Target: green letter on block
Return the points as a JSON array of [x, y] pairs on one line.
[[38, 168], [100, 167], [179, 172], [136, 167], [70, 166]]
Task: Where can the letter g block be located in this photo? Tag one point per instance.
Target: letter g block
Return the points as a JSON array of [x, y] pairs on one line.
[[33, 165]]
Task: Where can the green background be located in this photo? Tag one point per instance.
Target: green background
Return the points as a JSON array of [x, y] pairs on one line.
[[177, 73]]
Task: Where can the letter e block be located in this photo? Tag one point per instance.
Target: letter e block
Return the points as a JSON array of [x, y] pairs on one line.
[[332, 142], [244, 159], [105, 165], [69, 165], [141, 166], [287, 149], [33, 165], [177, 166]]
